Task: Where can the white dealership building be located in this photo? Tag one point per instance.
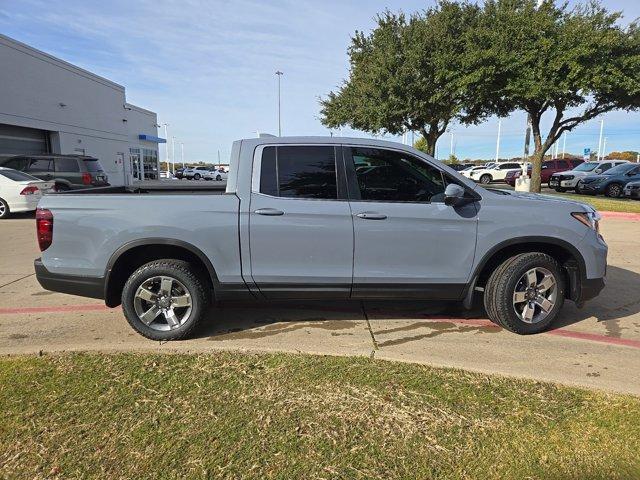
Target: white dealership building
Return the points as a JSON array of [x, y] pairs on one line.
[[48, 105]]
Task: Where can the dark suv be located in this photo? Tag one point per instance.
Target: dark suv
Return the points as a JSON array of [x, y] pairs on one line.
[[69, 172]]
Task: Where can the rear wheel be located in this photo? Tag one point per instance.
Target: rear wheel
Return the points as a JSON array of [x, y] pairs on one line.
[[525, 293], [165, 300], [561, 190], [196, 176], [4, 209], [219, 178], [485, 179], [614, 190]]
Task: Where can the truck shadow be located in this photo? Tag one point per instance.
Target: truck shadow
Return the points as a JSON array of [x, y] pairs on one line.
[[620, 299]]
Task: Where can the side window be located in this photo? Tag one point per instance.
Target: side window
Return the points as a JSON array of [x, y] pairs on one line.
[[604, 167], [40, 165], [549, 164], [66, 165], [299, 172], [564, 164], [509, 166], [16, 163], [389, 176]]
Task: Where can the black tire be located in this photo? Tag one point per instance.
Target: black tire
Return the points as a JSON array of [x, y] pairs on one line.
[[499, 292], [62, 187], [485, 179], [184, 273], [218, 178], [5, 211], [561, 190], [196, 176], [615, 190], [208, 179]]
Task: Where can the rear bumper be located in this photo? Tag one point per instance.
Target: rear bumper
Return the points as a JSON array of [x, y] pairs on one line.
[[92, 287]]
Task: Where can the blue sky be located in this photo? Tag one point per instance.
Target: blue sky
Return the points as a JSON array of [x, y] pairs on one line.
[[207, 67]]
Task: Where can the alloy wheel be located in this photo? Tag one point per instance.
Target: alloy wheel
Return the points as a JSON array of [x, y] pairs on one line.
[[535, 295], [162, 303]]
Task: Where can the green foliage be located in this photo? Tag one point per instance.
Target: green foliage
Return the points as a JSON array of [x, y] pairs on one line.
[[452, 159], [421, 144], [574, 64], [408, 75], [630, 155]]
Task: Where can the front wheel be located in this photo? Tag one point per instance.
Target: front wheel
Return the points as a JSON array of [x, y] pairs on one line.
[[525, 293], [196, 176], [614, 190], [219, 178], [165, 299], [485, 179]]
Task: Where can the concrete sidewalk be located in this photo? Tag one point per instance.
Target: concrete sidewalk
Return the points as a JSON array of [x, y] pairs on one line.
[[598, 346]]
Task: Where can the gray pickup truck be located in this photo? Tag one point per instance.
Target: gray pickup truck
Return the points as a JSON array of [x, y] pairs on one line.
[[320, 218]]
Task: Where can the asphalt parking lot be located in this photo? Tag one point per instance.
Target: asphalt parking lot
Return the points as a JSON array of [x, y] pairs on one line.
[[597, 346]]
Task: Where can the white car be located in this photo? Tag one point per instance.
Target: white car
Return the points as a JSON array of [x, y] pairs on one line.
[[495, 173], [20, 192], [467, 171], [195, 173], [567, 180], [218, 175]]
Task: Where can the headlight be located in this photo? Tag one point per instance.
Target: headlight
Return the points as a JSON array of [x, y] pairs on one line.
[[590, 219], [568, 177]]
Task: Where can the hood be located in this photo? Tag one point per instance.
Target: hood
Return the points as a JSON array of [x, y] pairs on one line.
[[545, 198], [593, 178]]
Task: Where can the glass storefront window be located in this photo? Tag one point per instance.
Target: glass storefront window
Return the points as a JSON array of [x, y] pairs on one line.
[[150, 163]]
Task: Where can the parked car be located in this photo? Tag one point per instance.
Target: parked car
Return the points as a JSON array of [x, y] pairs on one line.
[[218, 175], [549, 167], [564, 181], [20, 192], [610, 183], [68, 172], [467, 171], [179, 173], [632, 189], [300, 220], [495, 173], [458, 167], [195, 173]]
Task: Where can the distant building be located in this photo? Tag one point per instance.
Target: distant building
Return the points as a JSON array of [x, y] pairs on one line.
[[50, 106]]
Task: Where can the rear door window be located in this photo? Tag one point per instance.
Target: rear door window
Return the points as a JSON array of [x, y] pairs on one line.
[[605, 166], [38, 165], [92, 165], [299, 172], [68, 165]]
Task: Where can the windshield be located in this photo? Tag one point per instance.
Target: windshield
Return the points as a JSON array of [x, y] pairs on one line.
[[620, 169], [18, 176], [586, 167]]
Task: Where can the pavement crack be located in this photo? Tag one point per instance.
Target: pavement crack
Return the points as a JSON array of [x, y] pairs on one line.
[[373, 337], [17, 280]]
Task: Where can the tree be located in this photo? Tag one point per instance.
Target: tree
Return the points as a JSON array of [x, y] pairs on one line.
[[573, 64], [630, 155], [408, 75], [421, 144]]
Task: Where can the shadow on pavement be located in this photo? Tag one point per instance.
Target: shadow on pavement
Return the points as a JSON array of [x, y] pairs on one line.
[[619, 299]]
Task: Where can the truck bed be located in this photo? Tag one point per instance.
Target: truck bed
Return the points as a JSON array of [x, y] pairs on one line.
[[156, 188]]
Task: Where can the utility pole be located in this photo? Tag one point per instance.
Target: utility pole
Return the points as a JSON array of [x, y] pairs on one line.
[[181, 154], [498, 141], [173, 149], [279, 74], [564, 144], [604, 147], [600, 140], [451, 145], [166, 135]]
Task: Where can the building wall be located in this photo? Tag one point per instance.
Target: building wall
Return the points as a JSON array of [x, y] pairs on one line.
[[83, 112]]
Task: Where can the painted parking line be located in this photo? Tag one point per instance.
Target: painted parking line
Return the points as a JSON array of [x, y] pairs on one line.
[[634, 217], [560, 332]]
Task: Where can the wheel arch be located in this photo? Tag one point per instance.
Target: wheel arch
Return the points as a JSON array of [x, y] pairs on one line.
[[567, 255], [129, 257]]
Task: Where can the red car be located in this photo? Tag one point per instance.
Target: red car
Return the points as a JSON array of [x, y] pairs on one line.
[[548, 168]]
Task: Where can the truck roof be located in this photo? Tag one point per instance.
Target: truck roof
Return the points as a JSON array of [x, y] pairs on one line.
[[325, 140]]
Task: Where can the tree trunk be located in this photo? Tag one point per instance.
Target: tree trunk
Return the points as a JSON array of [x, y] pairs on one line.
[[537, 156], [431, 137]]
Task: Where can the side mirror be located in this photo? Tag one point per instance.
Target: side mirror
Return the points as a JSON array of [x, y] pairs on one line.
[[598, 171], [454, 195]]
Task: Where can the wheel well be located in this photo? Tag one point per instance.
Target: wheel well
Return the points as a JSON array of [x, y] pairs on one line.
[[562, 255], [135, 257]]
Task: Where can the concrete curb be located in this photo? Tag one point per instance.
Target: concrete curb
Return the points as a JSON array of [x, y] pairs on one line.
[[632, 217]]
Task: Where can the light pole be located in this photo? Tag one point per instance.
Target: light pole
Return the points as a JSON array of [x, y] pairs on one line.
[[182, 153], [498, 141], [279, 74], [564, 144], [604, 147], [173, 149], [166, 135], [451, 145], [600, 140]]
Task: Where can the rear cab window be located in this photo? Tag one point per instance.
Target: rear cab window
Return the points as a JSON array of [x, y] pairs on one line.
[[299, 171], [69, 165], [92, 165]]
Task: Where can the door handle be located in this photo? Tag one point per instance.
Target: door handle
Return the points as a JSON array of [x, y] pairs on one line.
[[271, 212], [371, 216]]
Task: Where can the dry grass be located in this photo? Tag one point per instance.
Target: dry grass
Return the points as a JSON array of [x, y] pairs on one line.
[[282, 416]]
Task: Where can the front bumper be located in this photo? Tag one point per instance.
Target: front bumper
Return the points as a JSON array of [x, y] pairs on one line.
[[591, 288], [82, 286], [590, 188], [632, 193]]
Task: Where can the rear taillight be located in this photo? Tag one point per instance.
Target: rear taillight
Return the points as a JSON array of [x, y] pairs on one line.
[[30, 190], [44, 228], [86, 179]]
